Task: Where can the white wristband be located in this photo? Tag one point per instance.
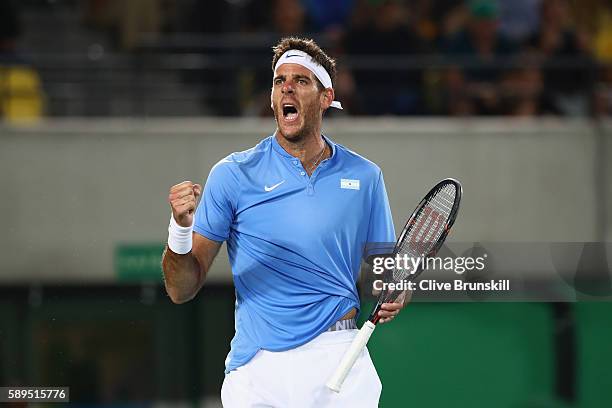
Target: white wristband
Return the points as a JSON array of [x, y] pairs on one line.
[[179, 238]]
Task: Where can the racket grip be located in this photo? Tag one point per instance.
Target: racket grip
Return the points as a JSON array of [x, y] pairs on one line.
[[349, 358]]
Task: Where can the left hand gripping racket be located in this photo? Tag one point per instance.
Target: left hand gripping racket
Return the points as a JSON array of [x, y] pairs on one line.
[[422, 237]]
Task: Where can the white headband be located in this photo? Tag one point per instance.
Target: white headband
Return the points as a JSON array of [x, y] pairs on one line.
[[305, 60]]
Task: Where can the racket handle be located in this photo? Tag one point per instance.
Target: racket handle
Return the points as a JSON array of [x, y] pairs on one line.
[[359, 342]]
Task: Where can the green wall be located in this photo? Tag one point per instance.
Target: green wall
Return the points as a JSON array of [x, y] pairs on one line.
[[466, 355]]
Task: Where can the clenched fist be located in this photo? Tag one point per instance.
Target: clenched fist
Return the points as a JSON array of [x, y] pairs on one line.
[[183, 199]]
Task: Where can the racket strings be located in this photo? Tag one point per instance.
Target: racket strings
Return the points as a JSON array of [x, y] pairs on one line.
[[430, 221], [422, 236], [427, 228]]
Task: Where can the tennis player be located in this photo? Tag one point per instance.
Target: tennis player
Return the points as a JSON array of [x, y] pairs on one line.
[[295, 211]]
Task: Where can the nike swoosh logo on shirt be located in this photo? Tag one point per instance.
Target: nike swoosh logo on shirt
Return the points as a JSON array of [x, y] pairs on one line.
[[273, 187]]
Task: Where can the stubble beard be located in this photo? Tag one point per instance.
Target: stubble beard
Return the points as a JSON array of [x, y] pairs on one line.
[[309, 118]]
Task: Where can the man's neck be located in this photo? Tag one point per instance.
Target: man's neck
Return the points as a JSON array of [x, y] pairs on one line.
[[305, 149]]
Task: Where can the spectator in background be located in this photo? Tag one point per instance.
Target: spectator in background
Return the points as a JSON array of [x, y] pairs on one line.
[[382, 32], [433, 22], [274, 17], [597, 22], [521, 88], [567, 66], [289, 17], [130, 21], [602, 45], [330, 19], [519, 19], [438, 19], [328, 15], [352, 101], [473, 85]]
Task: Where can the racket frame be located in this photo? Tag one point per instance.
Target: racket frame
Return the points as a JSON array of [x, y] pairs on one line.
[[411, 220], [361, 339]]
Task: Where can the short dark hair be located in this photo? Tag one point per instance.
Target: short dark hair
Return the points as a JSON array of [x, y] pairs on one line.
[[311, 48]]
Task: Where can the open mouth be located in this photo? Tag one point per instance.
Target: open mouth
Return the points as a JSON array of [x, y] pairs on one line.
[[290, 112]]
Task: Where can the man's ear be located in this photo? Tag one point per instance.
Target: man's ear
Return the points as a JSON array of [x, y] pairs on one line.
[[327, 97]]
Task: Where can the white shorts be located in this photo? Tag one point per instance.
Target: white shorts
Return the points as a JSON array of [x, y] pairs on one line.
[[296, 378]]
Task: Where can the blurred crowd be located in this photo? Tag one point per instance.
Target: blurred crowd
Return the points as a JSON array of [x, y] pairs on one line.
[[410, 57], [460, 57]]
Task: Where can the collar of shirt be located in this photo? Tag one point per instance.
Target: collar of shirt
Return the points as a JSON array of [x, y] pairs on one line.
[[281, 151]]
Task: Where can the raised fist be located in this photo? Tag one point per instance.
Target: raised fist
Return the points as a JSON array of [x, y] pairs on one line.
[[183, 199]]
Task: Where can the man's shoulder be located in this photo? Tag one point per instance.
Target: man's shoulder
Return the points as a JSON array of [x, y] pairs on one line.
[[252, 154], [357, 161], [235, 160]]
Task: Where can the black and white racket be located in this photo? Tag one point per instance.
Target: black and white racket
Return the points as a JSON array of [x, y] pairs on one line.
[[422, 237]]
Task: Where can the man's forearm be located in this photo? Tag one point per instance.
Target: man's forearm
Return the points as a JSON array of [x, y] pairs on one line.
[[183, 277]]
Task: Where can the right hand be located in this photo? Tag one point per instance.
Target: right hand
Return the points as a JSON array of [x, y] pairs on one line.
[[183, 199]]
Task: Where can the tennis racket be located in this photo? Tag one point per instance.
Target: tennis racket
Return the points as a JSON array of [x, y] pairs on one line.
[[423, 235]]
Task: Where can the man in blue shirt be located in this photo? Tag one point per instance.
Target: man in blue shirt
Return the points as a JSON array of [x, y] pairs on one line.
[[296, 212]]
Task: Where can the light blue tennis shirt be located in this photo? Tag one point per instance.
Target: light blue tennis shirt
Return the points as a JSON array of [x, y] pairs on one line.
[[295, 242]]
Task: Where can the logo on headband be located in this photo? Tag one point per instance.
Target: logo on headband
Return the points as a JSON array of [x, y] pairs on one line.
[[293, 55]]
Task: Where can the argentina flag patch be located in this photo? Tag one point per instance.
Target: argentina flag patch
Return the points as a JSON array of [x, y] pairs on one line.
[[349, 184]]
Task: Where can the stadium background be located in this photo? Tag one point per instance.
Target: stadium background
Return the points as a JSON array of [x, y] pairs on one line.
[[106, 104]]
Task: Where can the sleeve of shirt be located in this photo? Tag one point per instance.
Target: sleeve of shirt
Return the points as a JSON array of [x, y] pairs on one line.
[[215, 213], [380, 229]]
